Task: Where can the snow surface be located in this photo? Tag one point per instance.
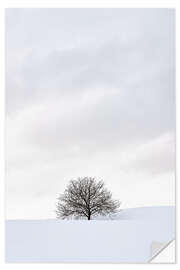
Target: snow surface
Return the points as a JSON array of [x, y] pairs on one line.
[[123, 238]]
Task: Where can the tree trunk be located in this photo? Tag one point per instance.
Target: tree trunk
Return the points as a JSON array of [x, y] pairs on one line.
[[89, 217]]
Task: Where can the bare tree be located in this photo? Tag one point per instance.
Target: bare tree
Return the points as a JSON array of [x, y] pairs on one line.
[[85, 197]]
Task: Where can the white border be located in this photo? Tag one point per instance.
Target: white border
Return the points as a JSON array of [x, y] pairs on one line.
[[75, 4], [2, 118], [90, 3]]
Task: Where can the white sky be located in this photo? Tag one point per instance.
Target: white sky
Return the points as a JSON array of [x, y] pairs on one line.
[[89, 92]]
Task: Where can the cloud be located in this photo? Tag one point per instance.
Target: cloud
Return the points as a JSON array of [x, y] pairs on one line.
[[156, 157], [89, 92]]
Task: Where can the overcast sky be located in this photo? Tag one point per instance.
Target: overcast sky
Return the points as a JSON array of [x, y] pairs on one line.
[[89, 92]]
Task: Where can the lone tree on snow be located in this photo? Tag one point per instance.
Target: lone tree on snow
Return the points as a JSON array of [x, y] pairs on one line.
[[85, 197]]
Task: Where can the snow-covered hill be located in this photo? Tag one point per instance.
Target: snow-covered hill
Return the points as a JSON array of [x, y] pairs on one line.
[[141, 213], [125, 237]]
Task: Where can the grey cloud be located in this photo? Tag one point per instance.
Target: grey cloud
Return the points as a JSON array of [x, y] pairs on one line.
[[154, 158], [84, 88], [114, 61]]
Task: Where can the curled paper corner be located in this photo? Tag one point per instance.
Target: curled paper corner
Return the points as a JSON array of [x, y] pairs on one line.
[[163, 252]]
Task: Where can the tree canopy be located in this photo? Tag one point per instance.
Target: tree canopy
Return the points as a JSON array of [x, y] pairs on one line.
[[85, 197]]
